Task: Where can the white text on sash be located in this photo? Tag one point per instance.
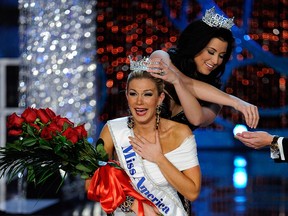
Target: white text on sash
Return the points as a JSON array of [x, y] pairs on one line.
[[130, 157]]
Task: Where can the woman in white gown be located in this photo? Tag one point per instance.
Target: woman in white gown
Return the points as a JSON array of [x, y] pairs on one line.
[[159, 155]]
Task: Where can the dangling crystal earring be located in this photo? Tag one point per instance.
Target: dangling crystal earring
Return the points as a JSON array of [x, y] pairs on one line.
[[158, 111], [130, 121]]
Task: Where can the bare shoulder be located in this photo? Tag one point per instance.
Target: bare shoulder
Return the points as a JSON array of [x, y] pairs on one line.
[[177, 129], [105, 131], [184, 130], [105, 135], [173, 134]]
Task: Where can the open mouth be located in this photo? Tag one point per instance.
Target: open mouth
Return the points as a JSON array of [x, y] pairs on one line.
[[141, 111]]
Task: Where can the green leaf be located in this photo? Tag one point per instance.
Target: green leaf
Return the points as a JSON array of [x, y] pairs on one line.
[[84, 176], [30, 130], [85, 157], [100, 149], [62, 139], [114, 165], [44, 144], [45, 175], [30, 174], [16, 145], [83, 168], [45, 147], [58, 147], [29, 141]]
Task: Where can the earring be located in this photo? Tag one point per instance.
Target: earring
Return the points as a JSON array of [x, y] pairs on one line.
[[130, 121], [158, 111]]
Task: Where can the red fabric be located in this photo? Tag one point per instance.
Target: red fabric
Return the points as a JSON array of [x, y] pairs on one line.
[[110, 186]]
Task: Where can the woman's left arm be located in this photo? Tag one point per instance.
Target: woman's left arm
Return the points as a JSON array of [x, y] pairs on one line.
[[189, 89], [209, 93]]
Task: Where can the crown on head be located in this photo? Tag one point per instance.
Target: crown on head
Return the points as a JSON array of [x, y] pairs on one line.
[[216, 20], [139, 65]]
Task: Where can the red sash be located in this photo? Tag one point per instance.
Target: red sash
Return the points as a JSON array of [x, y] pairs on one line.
[[110, 186]]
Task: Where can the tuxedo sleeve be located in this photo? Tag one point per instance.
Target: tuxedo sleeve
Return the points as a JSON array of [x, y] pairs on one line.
[[285, 148], [281, 155]]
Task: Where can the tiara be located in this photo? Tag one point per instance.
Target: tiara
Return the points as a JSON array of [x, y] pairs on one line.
[[216, 20], [139, 65]]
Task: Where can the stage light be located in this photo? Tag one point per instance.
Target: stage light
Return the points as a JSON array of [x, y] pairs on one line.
[[240, 177]]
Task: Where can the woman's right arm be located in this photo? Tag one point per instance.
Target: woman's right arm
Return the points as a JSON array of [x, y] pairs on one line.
[[108, 142], [108, 146], [187, 89]]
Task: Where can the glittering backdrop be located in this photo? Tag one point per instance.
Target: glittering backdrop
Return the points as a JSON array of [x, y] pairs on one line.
[[57, 45], [256, 73]]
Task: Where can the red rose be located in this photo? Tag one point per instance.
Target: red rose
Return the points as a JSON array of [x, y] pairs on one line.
[[61, 121], [82, 133], [50, 131], [15, 132], [43, 116], [29, 115], [37, 127], [71, 135], [14, 121], [50, 113]]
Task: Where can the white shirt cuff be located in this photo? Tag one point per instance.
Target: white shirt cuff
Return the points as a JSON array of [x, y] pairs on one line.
[[280, 152], [280, 146]]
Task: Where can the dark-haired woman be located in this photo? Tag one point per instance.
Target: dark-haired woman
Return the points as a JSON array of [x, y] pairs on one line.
[[202, 51], [192, 72]]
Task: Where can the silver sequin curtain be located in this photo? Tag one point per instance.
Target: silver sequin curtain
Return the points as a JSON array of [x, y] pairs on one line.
[[58, 67]]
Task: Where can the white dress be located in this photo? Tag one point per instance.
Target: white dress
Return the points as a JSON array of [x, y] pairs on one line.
[[183, 157]]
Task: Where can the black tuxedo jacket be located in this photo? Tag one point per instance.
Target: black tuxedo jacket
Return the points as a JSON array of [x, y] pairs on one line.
[[285, 150]]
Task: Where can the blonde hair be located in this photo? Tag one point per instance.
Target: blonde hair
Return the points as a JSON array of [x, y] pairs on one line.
[[139, 74]]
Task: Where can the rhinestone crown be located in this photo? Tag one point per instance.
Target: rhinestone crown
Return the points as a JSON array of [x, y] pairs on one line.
[[139, 65], [216, 20]]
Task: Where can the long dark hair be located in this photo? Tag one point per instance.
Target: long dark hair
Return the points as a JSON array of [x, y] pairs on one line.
[[191, 42]]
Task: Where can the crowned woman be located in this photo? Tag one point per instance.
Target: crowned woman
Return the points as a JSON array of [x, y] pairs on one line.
[[158, 155]]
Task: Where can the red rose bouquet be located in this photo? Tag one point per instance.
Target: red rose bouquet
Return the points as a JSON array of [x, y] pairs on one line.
[[45, 142]]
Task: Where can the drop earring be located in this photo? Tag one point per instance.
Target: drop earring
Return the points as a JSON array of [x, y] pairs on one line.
[[158, 111], [130, 121]]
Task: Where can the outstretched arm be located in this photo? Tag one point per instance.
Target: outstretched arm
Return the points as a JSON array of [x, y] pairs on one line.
[[261, 139], [209, 93], [256, 140], [189, 89]]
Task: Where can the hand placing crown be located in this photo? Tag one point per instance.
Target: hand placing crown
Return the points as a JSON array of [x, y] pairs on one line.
[[139, 65], [213, 19], [142, 65]]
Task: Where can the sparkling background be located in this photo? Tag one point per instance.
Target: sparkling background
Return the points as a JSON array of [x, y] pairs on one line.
[[59, 55], [58, 68], [256, 73]]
